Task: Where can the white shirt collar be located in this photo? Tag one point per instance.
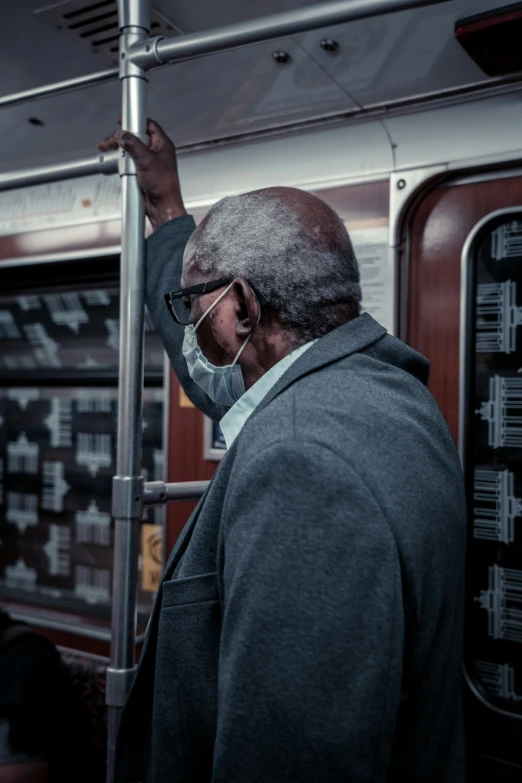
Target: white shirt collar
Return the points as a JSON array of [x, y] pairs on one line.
[[234, 420]]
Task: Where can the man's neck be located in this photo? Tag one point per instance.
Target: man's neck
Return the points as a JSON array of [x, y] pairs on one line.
[[264, 354]]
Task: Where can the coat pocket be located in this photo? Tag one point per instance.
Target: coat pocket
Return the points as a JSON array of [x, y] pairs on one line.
[[190, 590], [186, 679]]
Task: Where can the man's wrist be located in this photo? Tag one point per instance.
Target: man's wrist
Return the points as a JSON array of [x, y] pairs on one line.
[[159, 215]]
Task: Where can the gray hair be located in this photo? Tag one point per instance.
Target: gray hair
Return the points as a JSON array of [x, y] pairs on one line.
[[305, 267]]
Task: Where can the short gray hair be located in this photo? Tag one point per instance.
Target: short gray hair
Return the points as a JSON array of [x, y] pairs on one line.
[[309, 273]]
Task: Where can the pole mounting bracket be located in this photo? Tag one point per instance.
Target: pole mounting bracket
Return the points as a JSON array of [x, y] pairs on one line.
[[127, 497], [118, 685]]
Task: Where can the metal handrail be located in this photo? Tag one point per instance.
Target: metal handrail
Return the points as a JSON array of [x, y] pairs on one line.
[[68, 85], [157, 492], [170, 50], [85, 632], [102, 164]]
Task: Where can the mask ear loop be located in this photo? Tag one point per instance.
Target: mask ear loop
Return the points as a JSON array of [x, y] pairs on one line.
[[250, 335], [213, 305]]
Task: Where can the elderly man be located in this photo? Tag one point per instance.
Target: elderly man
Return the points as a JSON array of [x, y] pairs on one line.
[[308, 627]]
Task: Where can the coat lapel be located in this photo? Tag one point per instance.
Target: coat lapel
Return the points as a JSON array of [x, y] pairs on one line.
[[175, 557], [184, 537]]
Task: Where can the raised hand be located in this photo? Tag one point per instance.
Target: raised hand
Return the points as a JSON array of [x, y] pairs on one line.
[[157, 171]]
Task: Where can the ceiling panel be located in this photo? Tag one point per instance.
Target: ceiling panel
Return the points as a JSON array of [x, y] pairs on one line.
[[495, 118], [33, 54], [243, 90], [380, 60], [399, 55], [205, 15], [208, 98]]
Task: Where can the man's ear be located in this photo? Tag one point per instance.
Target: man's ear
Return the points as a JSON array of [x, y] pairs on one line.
[[248, 309]]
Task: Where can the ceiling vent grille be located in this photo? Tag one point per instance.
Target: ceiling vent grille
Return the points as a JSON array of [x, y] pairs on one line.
[[94, 25]]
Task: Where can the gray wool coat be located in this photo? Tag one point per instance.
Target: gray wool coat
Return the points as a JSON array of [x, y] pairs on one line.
[[309, 623]]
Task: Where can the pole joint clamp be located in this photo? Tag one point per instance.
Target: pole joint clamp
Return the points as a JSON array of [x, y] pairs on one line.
[[118, 685], [145, 53], [127, 497], [128, 67]]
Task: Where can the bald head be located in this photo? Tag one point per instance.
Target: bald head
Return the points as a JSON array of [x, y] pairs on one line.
[[302, 203], [317, 220], [291, 246]]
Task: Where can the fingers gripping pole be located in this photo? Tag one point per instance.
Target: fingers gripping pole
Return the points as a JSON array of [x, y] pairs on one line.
[[134, 20]]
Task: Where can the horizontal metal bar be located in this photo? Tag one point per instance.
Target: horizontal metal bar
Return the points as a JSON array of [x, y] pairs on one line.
[[185, 47], [93, 658], [186, 490], [68, 255], [68, 85], [102, 164], [85, 632], [157, 493]]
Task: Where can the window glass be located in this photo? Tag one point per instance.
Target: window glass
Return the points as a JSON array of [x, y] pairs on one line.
[[63, 331], [493, 460], [57, 459], [58, 421]]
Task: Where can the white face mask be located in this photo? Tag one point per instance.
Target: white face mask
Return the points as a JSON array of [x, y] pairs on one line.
[[224, 385]]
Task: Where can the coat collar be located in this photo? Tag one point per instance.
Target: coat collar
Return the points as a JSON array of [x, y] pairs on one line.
[[351, 337]]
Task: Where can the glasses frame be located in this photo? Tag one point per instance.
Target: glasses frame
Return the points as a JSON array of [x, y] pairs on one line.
[[205, 288]]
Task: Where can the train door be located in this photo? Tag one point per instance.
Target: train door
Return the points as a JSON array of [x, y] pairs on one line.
[[464, 314]]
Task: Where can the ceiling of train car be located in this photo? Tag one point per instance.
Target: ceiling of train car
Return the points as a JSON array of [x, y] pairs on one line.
[[378, 61]]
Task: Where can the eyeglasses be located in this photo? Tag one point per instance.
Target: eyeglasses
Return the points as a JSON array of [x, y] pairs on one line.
[[180, 302]]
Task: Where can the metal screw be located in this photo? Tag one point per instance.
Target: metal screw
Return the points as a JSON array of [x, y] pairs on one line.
[[123, 55], [147, 48], [101, 158], [137, 497], [329, 45], [281, 57], [123, 153], [401, 184], [162, 496]]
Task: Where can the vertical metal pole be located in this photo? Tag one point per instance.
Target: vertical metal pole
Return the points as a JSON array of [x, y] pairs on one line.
[[165, 477], [134, 20]]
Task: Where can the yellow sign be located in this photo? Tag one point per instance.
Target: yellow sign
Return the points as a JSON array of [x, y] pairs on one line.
[[184, 401], [151, 550]]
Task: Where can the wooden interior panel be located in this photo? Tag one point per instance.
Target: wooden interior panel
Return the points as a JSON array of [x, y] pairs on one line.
[[65, 239], [438, 231], [361, 205]]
